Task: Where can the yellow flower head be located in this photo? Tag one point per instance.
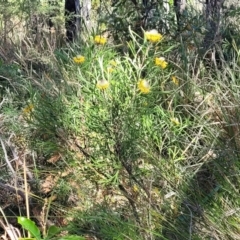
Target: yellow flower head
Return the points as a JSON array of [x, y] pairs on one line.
[[79, 59], [100, 40], [175, 121], [153, 36], [110, 69], [113, 63], [175, 80], [143, 86], [28, 109], [161, 62], [103, 84], [135, 188]]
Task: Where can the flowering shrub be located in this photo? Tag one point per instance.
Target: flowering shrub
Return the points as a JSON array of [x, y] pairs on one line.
[[124, 114]]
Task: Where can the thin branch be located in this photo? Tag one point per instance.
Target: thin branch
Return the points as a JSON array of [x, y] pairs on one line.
[[6, 158]]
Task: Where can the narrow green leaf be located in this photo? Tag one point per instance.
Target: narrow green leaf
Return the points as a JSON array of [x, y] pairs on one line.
[[72, 237], [52, 231], [26, 238], [30, 226]]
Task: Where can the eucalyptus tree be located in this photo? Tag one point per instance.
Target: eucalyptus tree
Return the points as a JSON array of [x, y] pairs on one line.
[[180, 6], [213, 35]]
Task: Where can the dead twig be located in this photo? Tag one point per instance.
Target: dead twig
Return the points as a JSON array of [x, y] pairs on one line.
[[6, 159]]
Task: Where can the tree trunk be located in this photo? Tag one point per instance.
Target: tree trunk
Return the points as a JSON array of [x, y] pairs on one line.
[[213, 35], [180, 6], [85, 14], [72, 22], [77, 16]]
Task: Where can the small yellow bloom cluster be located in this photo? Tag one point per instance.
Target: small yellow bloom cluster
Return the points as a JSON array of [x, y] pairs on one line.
[[135, 188], [175, 121], [112, 65], [175, 80], [143, 86], [100, 40], [161, 62], [79, 59], [102, 84], [110, 69], [153, 36], [28, 109]]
